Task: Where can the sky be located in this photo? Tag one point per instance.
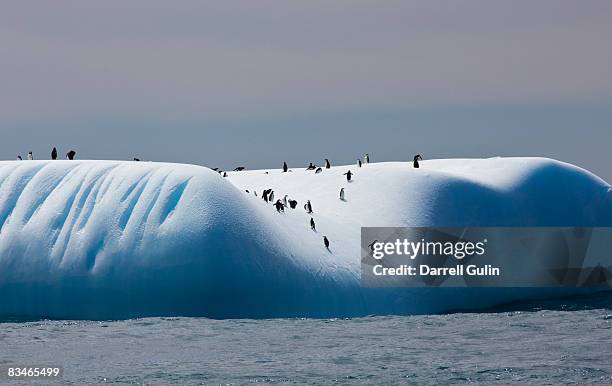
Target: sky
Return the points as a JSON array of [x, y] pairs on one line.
[[228, 83]]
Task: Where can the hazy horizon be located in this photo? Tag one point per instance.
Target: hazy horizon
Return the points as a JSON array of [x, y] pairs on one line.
[[238, 83]]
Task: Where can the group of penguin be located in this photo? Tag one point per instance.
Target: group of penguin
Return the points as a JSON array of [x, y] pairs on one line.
[[268, 194], [70, 155], [281, 204]]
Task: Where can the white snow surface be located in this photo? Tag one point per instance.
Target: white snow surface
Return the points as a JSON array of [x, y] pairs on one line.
[[117, 239]]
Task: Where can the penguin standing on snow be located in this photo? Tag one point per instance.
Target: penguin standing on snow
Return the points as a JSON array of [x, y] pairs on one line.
[[285, 168], [224, 174], [327, 164], [268, 195], [279, 206], [348, 175], [416, 160], [311, 166], [326, 242], [54, 153], [366, 158], [30, 156], [19, 157], [285, 200], [70, 155], [292, 204], [312, 225], [342, 194], [308, 207], [358, 162]]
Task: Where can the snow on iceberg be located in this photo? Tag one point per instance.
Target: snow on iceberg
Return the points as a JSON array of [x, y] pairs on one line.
[[113, 239]]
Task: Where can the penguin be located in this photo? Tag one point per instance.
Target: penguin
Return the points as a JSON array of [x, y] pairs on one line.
[[312, 224], [348, 175], [342, 194], [366, 158], [271, 195], [327, 164], [292, 204], [246, 190], [70, 155], [285, 200], [239, 169], [54, 153], [308, 207], [264, 195], [215, 169], [136, 159], [19, 157], [285, 168], [358, 162], [326, 242], [319, 170], [416, 161], [255, 193], [224, 174], [279, 206], [30, 156]]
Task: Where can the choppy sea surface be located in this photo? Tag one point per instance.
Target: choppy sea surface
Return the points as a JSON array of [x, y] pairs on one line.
[[562, 344]]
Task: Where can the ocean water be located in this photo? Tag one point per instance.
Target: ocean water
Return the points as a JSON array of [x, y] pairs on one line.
[[542, 346]]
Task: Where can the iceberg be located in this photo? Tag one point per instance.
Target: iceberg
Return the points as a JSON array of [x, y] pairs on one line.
[[115, 239]]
